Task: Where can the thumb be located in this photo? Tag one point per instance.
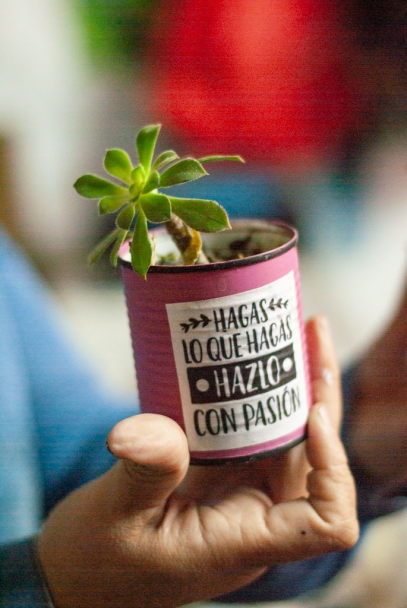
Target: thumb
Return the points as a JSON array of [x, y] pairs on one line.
[[154, 459]]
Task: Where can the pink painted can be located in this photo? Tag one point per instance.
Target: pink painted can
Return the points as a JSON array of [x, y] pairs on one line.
[[220, 347]]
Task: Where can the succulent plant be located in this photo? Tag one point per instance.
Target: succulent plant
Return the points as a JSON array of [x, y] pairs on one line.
[[137, 200]]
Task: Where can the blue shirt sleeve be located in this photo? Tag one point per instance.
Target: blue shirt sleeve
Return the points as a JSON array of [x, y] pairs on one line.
[[72, 412], [21, 581], [54, 419]]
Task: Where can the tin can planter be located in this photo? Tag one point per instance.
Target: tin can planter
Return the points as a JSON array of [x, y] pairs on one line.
[[220, 347]]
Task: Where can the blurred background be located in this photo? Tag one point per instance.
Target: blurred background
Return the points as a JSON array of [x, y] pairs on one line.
[[311, 93]]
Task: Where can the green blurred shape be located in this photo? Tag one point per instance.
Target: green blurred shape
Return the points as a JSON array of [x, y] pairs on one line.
[[115, 30]]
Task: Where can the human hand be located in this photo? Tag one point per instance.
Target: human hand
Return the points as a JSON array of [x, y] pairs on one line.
[[378, 423], [132, 539]]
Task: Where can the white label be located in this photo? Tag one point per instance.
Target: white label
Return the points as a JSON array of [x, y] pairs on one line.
[[240, 366]]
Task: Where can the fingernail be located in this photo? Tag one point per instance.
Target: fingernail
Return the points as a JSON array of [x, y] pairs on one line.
[[324, 325], [108, 447], [323, 413], [328, 376]]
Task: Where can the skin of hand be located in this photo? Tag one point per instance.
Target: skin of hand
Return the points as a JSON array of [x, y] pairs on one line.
[[378, 423], [144, 536]]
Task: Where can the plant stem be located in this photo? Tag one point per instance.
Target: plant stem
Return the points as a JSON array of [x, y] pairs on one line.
[[187, 240]]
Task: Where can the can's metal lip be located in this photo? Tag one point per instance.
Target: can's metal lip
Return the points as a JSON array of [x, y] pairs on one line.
[[260, 455], [216, 266]]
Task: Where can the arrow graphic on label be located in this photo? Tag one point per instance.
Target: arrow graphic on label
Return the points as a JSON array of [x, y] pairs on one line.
[[279, 304], [194, 323]]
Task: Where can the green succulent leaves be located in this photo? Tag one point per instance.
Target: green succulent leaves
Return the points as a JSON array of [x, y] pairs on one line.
[[145, 141], [141, 248], [181, 172], [111, 204], [165, 159], [203, 216], [136, 199], [157, 207], [92, 186], [118, 164]]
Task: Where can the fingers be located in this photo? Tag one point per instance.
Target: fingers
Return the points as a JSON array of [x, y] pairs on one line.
[[324, 522], [324, 369], [154, 459], [329, 518], [325, 388], [330, 484]]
